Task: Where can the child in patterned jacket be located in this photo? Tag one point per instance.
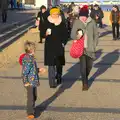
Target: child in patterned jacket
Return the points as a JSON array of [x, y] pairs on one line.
[[30, 76]]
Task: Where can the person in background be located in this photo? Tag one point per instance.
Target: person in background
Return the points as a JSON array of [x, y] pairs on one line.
[[4, 8], [42, 17], [12, 4], [56, 39], [89, 28], [115, 21], [97, 15]]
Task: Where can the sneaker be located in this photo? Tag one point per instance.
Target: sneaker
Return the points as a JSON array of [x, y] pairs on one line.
[[30, 116], [40, 42]]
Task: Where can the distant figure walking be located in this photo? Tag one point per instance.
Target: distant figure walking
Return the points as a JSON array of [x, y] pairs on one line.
[[97, 14], [115, 21], [12, 4], [42, 17], [4, 7]]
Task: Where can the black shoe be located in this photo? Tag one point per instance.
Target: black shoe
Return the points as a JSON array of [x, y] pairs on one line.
[[40, 42], [114, 38], [53, 86], [59, 79], [85, 87]]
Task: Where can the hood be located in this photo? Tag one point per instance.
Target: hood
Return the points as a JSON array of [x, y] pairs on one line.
[[51, 20], [21, 58], [89, 19]]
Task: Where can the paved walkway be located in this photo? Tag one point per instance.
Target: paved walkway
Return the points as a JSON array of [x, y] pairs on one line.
[[68, 101], [17, 16]]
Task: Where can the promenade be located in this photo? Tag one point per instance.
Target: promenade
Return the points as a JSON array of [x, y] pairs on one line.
[[68, 101]]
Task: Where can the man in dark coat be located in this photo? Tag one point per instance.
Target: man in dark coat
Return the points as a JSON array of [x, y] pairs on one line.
[[42, 17], [4, 7], [97, 15]]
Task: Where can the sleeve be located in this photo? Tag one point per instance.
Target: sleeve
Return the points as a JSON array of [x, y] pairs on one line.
[[27, 65], [74, 30], [111, 18], [64, 34], [95, 34], [119, 17], [102, 14]]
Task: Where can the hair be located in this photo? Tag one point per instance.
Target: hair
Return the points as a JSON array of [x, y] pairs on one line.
[[42, 7], [115, 6], [29, 46]]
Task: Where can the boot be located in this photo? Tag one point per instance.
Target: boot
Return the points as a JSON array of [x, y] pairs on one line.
[[59, 79], [85, 87]]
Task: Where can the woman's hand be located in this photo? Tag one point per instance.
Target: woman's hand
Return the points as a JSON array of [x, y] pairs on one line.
[[47, 33]]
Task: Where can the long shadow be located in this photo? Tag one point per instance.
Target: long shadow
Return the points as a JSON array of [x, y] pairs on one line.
[[98, 54], [69, 79], [103, 34], [103, 65]]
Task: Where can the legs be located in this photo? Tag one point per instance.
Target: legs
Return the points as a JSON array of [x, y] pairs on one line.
[[114, 27], [40, 38], [55, 72], [31, 98], [51, 75], [85, 68], [4, 16], [117, 26]]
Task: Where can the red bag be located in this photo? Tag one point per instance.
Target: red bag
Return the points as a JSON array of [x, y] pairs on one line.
[[21, 57], [77, 48]]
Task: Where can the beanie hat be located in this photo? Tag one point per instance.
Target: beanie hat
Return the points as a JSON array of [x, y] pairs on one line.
[[54, 10], [84, 11]]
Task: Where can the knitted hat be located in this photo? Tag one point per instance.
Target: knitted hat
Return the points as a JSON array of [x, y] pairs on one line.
[[54, 10], [84, 11]]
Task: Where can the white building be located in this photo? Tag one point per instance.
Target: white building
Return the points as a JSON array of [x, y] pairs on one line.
[[28, 4]]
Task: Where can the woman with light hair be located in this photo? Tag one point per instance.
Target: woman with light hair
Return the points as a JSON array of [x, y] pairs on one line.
[[56, 39]]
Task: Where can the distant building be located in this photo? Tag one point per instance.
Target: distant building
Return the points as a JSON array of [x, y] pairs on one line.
[[37, 3]]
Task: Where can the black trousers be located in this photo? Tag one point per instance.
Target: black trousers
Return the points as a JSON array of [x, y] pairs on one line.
[[4, 15], [54, 71], [85, 67], [31, 98], [115, 29]]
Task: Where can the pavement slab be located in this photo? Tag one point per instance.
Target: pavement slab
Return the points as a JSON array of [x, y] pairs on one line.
[[67, 101]]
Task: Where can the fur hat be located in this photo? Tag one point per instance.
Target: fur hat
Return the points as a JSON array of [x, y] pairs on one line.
[[54, 10], [84, 11]]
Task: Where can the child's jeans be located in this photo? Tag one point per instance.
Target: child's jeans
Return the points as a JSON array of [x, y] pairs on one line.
[[31, 98]]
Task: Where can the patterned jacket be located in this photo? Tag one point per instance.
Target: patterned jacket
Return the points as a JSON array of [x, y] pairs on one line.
[[30, 71]]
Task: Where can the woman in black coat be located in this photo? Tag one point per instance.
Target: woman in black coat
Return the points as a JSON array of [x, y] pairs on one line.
[[42, 17], [56, 39]]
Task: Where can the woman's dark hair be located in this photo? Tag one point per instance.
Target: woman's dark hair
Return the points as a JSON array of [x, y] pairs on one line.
[[42, 7], [115, 6]]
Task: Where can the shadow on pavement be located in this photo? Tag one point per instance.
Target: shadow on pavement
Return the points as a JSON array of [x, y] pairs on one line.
[[74, 73], [103, 34], [98, 54], [106, 62]]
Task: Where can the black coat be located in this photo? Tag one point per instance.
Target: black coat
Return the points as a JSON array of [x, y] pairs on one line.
[[53, 44], [98, 13], [4, 5], [43, 19]]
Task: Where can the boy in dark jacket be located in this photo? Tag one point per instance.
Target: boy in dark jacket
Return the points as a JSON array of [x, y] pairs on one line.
[[97, 15]]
